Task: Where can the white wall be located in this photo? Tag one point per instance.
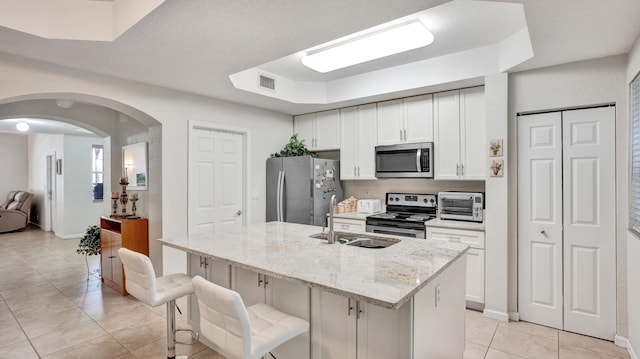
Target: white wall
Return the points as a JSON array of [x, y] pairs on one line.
[[78, 209], [270, 130], [633, 241], [578, 84], [14, 164]]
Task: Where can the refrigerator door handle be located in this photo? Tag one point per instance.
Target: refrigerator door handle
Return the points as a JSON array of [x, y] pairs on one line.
[[278, 199], [282, 198]]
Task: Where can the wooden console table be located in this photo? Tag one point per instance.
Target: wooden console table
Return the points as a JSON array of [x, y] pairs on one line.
[[132, 234]]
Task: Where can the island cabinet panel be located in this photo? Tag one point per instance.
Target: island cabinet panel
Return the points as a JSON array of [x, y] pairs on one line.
[[439, 315], [115, 234], [333, 326], [294, 299], [213, 270], [347, 328]]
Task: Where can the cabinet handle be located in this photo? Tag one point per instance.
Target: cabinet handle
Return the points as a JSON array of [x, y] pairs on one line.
[[400, 135], [206, 263], [405, 134], [349, 307], [266, 282], [358, 171], [354, 171], [462, 169], [259, 279], [358, 310], [111, 257]]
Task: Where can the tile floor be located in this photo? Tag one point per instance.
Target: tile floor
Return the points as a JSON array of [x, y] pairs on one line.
[[50, 307]]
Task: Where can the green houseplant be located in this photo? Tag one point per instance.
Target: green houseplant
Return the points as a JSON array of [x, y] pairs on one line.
[[90, 243], [294, 148]]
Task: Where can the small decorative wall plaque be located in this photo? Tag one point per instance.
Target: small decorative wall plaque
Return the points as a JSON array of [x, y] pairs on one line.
[[495, 148], [496, 168]]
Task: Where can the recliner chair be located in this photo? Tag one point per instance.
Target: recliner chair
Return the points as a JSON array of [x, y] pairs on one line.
[[15, 212]]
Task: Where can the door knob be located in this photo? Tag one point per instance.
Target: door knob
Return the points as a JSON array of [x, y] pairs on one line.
[[543, 232], [239, 213]]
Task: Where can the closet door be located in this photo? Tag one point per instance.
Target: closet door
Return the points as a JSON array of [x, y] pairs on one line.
[[566, 220], [540, 219], [589, 221]]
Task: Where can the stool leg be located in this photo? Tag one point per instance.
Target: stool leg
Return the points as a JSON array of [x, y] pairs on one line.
[[171, 329]]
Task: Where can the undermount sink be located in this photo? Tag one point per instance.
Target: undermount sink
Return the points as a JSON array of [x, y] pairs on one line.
[[359, 239]]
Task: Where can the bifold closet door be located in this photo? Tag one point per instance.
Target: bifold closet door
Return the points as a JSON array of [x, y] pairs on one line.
[[566, 220], [589, 221]]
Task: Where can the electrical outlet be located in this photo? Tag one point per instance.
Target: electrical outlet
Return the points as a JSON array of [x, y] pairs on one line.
[[437, 292]]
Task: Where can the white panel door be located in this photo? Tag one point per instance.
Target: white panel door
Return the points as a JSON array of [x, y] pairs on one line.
[[367, 141], [566, 220], [446, 135], [216, 179], [418, 119], [327, 130], [390, 122], [349, 144], [540, 219], [473, 155], [589, 221]]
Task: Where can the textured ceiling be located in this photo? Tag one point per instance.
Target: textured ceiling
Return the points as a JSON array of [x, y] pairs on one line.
[[195, 45]]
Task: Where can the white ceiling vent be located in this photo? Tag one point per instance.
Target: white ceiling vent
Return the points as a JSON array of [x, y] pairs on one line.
[[267, 83]]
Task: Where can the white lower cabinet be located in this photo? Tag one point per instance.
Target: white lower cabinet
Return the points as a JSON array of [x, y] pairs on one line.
[[430, 325], [475, 259], [349, 225], [213, 270], [288, 297], [347, 328]]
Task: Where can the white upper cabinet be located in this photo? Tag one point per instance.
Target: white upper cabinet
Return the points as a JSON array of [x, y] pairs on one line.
[[320, 131], [459, 134], [357, 147], [405, 120]]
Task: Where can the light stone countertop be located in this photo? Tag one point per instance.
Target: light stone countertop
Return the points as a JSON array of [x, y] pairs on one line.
[[386, 277], [444, 223]]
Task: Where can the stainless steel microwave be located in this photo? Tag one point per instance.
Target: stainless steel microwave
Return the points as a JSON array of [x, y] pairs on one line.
[[463, 206], [405, 160]]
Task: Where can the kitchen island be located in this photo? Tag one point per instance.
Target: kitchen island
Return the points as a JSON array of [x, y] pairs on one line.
[[403, 301]]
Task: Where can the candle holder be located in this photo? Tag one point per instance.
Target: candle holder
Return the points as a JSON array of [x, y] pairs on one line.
[[123, 196], [133, 207], [114, 203]]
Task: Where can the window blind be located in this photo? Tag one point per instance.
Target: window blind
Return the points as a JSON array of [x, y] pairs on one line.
[[634, 191]]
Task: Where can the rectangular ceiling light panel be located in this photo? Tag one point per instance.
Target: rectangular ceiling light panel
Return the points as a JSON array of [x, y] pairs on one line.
[[390, 41]]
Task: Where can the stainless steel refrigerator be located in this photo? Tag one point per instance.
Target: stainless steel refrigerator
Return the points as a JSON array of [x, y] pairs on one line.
[[299, 189]]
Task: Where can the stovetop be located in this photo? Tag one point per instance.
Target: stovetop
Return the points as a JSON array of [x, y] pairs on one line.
[[407, 208]]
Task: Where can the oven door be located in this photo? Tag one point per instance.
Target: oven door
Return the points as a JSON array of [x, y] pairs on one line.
[[396, 231]]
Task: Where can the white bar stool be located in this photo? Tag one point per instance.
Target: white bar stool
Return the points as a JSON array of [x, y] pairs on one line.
[[240, 332], [141, 282]]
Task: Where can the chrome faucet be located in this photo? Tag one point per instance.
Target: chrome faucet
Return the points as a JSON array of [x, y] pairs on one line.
[[333, 206]]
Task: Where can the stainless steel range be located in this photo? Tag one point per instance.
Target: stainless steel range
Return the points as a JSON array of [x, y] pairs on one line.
[[405, 215]]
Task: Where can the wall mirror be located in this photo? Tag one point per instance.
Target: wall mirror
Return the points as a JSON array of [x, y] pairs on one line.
[[134, 166]]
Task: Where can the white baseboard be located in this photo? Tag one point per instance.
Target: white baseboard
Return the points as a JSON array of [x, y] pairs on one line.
[[625, 343], [494, 314], [68, 236], [514, 316]]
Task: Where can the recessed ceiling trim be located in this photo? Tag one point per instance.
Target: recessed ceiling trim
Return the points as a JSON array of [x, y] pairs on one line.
[[75, 20]]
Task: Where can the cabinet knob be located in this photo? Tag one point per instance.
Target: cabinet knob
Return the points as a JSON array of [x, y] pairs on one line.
[[543, 232]]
